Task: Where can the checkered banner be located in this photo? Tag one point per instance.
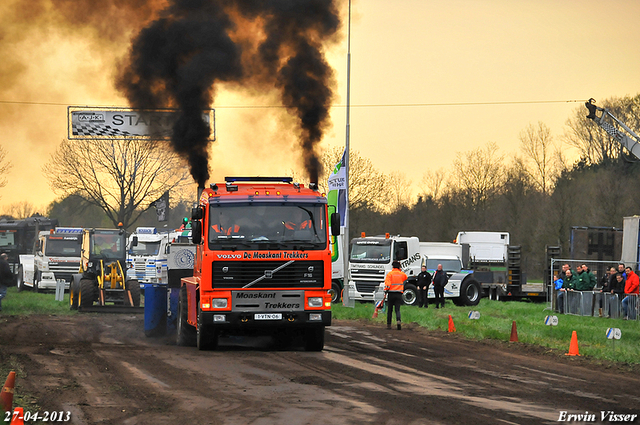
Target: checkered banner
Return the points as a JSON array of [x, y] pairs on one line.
[[124, 123]]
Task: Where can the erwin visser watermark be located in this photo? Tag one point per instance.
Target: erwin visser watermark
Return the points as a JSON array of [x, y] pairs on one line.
[[603, 416]]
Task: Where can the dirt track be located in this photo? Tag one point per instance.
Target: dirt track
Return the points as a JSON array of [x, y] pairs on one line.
[[104, 370]]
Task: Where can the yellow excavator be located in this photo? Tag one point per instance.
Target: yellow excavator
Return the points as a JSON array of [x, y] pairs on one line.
[[102, 277]]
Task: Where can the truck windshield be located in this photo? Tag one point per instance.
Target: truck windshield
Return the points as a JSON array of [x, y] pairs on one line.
[[62, 246], [146, 248], [447, 265], [370, 251], [261, 226], [7, 238]]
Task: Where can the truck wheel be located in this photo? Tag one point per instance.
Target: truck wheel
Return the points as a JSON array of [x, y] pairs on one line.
[[206, 336], [335, 292], [87, 294], [74, 293], [20, 279], [410, 294], [36, 281], [185, 333], [133, 287], [314, 338], [470, 293]]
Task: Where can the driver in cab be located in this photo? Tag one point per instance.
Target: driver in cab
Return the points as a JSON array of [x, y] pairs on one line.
[[105, 243]]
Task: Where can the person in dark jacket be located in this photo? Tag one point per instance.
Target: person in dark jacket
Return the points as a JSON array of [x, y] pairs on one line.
[[568, 284], [423, 282], [440, 280], [6, 276]]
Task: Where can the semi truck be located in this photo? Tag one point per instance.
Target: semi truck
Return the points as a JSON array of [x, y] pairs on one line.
[[371, 257], [262, 263], [147, 256], [17, 237], [56, 258]]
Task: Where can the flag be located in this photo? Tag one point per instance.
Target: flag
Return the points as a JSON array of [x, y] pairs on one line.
[[337, 195], [162, 206]]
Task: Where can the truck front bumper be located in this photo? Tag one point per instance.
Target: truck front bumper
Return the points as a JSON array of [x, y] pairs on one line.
[[257, 320]]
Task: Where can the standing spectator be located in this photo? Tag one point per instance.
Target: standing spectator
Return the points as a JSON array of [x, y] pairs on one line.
[[568, 284], [617, 289], [394, 287], [621, 271], [607, 281], [593, 280], [440, 280], [6, 276], [423, 282], [631, 288]]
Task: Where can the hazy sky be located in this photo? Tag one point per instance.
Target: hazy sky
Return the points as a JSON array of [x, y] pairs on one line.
[[432, 54]]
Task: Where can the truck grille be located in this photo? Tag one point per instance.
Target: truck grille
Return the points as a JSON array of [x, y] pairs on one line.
[[367, 287], [237, 274], [64, 267]]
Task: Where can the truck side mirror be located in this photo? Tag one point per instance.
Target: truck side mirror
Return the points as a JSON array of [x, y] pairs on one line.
[[335, 224], [196, 213], [134, 241], [196, 231]]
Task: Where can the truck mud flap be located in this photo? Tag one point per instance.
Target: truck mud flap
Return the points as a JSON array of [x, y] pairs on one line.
[[115, 309]]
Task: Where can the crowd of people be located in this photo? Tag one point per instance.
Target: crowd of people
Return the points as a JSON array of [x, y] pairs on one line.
[[621, 282]]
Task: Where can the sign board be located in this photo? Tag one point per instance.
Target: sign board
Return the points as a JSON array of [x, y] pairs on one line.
[[125, 123], [474, 315], [551, 320], [613, 333]]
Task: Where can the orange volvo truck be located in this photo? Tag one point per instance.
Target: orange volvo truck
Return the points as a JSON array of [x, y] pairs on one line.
[[263, 263]]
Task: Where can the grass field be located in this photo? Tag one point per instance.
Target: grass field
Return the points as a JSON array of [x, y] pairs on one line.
[[496, 320]]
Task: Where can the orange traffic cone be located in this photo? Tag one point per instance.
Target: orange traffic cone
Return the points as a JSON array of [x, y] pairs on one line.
[[573, 348], [18, 416], [6, 396], [452, 327], [514, 332]]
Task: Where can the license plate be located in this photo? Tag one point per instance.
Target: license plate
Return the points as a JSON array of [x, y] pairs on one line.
[[272, 316]]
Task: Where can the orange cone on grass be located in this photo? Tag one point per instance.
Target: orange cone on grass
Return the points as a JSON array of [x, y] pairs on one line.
[[452, 327], [573, 347], [6, 396], [514, 332], [17, 418]]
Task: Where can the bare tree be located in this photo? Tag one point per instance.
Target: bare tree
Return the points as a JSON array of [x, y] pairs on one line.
[[399, 189], [122, 177], [480, 174], [21, 210], [5, 166], [538, 147], [432, 183]]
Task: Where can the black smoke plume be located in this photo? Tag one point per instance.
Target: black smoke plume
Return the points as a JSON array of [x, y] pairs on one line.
[[177, 60]]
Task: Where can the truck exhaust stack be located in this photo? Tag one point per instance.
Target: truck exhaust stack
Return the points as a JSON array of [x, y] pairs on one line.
[[200, 189]]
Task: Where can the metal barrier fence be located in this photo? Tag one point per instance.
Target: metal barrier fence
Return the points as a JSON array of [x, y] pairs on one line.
[[589, 303]]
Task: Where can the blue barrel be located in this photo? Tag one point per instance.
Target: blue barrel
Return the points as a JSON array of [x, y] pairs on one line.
[[155, 309]]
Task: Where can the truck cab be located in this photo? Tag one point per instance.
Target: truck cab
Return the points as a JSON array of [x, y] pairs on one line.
[[147, 256]]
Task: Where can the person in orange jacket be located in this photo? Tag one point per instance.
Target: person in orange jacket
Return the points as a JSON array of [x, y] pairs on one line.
[[393, 288], [631, 289]]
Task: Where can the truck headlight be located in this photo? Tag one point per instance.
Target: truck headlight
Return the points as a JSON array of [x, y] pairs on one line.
[[315, 301], [219, 303]]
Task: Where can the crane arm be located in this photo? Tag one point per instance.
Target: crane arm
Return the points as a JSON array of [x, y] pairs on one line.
[[630, 141]]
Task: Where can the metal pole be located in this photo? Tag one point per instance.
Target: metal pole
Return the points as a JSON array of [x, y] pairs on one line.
[[346, 298]]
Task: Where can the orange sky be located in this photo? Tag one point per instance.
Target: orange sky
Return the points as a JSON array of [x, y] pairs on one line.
[[404, 52]]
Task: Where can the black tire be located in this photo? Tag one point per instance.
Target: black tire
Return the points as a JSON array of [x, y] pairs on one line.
[[36, 281], [335, 292], [410, 294], [74, 293], [206, 335], [185, 333], [88, 293], [314, 338], [133, 287], [20, 279], [470, 293]]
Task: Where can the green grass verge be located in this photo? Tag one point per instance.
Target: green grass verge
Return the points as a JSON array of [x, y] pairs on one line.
[[496, 320], [28, 302]]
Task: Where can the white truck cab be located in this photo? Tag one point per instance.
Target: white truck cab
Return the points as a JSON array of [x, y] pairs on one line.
[[370, 260], [147, 256]]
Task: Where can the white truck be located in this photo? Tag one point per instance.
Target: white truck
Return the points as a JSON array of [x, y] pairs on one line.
[[371, 257], [147, 256], [56, 257]]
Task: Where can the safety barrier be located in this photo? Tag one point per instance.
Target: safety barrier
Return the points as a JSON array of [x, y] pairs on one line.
[[630, 307], [588, 303]]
